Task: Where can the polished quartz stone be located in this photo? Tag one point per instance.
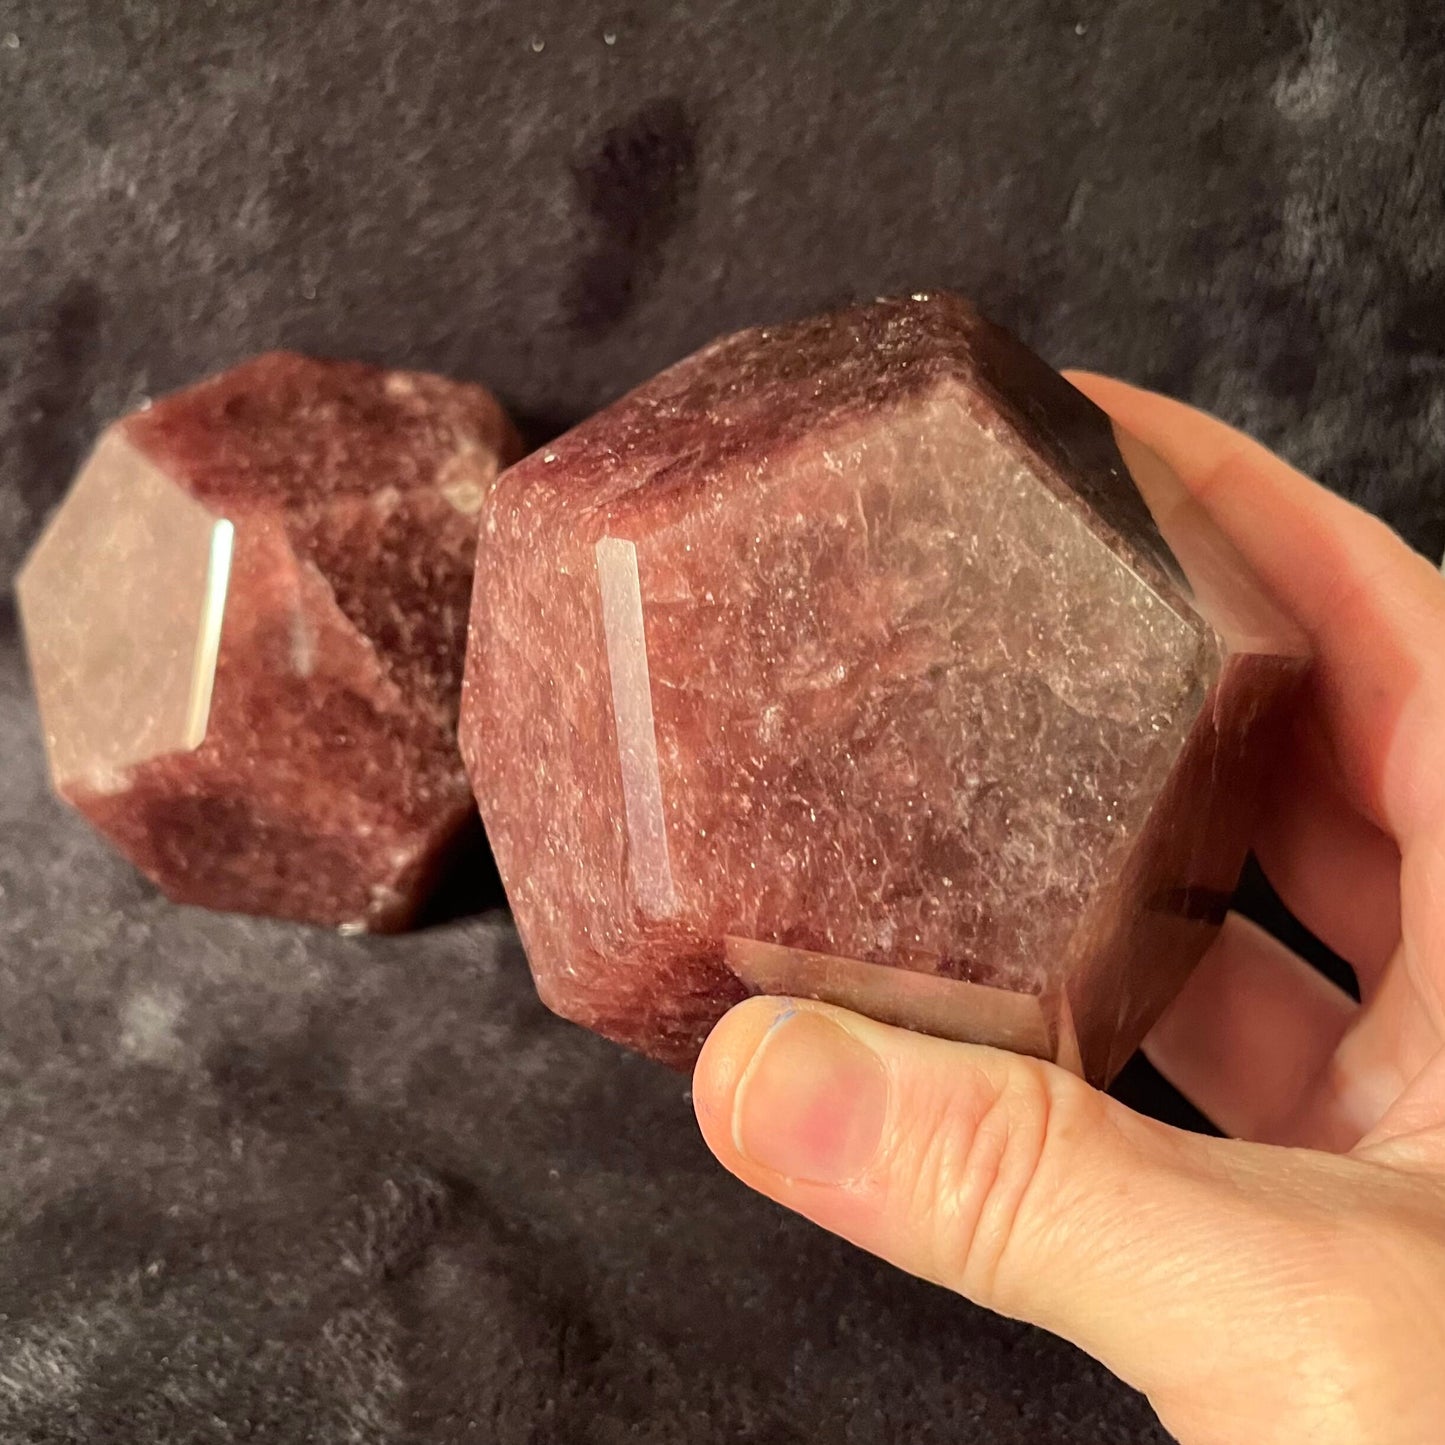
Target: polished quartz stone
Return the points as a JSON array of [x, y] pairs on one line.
[[246, 623], [862, 659]]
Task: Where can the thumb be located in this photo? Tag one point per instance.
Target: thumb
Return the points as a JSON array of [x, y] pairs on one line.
[[1016, 1184]]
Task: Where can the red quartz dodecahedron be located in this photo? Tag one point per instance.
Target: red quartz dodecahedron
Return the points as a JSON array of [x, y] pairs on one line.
[[246, 625], [862, 659]]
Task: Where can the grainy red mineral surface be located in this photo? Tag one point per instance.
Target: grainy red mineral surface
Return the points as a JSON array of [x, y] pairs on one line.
[[862, 659], [246, 626]]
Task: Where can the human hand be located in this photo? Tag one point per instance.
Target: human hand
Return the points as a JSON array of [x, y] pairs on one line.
[[1284, 1285]]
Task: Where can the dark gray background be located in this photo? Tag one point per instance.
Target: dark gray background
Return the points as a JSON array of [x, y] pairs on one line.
[[263, 1183]]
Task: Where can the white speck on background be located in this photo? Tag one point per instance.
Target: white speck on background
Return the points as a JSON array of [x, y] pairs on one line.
[[538, 44], [12, 41], [609, 37], [148, 1026]]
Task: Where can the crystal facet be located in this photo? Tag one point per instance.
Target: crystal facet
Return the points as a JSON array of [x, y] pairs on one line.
[[861, 659], [245, 625]]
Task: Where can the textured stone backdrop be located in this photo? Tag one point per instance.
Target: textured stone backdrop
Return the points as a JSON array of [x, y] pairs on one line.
[[257, 1182]]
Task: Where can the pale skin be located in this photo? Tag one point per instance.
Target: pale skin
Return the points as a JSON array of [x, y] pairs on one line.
[[1287, 1283]]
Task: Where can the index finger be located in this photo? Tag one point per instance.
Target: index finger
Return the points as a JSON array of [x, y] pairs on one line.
[[1373, 609]]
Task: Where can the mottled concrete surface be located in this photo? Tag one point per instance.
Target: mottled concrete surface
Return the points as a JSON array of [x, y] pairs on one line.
[[259, 1182]]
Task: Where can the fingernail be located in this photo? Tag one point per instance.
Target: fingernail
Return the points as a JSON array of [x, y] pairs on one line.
[[812, 1103]]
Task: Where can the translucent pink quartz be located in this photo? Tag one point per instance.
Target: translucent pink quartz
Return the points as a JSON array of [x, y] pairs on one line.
[[246, 625], [862, 659]]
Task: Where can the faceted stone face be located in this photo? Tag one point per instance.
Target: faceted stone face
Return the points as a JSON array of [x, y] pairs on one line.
[[123, 668], [245, 626], [861, 659]]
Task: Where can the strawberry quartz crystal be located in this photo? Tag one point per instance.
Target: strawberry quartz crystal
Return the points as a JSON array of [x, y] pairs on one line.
[[246, 625], [863, 659]]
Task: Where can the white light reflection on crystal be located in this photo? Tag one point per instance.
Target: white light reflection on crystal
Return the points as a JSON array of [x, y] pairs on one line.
[[208, 640], [622, 624]]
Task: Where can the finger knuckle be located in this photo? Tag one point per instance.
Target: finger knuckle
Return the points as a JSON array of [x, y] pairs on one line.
[[981, 1160]]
